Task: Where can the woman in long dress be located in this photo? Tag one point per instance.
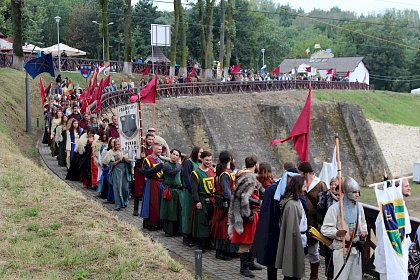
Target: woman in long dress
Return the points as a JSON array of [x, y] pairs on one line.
[[54, 124], [99, 146], [60, 140], [120, 175]]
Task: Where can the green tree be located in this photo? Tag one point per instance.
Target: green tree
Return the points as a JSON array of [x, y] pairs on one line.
[[105, 27], [127, 37], [17, 10], [174, 35]]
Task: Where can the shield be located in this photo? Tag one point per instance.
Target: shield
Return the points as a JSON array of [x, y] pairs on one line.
[[85, 71], [394, 219], [128, 125]]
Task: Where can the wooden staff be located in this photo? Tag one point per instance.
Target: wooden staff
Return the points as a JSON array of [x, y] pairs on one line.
[[141, 128], [337, 145]]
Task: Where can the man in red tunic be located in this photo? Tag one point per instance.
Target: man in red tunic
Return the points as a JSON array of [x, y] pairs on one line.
[[139, 180], [152, 169], [243, 214], [225, 184]]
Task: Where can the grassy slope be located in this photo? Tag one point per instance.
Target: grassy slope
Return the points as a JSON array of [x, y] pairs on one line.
[[50, 231], [397, 108]]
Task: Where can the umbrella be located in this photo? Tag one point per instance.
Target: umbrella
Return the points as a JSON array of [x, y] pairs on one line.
[[64, 48]]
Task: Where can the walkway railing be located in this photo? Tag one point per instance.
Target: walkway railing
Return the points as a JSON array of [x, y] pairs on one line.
[[74, 64]]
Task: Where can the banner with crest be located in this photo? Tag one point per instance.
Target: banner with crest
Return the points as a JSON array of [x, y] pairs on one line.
[[128, 127], [392, 238]]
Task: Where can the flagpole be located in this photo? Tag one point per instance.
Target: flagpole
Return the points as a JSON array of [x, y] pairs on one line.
[[343, 239]]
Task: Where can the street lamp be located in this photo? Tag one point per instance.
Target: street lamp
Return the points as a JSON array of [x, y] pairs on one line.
[[103, 38], [57, 20], [263, 51]]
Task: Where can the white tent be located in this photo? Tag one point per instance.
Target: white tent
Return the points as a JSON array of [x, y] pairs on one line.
[[64, 48], [5, 45], [415, 91], [30, 47]]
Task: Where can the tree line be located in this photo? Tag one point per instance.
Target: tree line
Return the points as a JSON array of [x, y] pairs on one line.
[[228, 31]]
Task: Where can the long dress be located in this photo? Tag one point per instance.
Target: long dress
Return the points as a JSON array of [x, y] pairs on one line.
[[170, 208], [187, 203], [152, 192], [225, 184], [85, 165], [120, 177], [61, 138], [71, 141]]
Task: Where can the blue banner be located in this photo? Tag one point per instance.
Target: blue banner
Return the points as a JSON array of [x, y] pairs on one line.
[[39, 65]]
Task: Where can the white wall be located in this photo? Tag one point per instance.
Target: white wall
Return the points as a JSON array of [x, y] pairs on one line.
[[359, 73]]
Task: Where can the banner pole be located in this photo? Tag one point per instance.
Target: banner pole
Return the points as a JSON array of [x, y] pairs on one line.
[[343, 239]]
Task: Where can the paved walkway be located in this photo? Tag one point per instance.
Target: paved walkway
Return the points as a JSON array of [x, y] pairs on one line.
[[217, 268]]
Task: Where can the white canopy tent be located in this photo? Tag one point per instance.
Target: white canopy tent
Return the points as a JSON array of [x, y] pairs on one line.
[[5, 45], [30, 47], [64, 48]]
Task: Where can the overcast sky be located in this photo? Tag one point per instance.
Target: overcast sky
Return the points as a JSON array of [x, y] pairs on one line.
[[358, 6]]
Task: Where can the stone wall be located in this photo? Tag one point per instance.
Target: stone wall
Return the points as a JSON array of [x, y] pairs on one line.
[[246, 123]]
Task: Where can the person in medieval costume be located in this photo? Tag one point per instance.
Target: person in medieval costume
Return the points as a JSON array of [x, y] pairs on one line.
[[225, 184], [243, 214], [119, 175], [72, 137], [152, 169], [99, 146], [170, 209], [60, 140], [202, 189], [400, 268], [188, 166], [139, 179], [293, 225], [84, 163], [267, 234], [355, 231], [107, 191], [55, 122], [326, 200], [315, 187]]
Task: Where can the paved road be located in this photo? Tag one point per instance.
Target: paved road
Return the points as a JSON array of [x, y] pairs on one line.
[[216, 268]]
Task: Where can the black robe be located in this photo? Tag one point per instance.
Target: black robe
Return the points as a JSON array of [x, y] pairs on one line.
[[267, 234]]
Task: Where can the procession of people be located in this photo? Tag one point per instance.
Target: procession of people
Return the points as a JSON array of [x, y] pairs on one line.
[[235, 208]]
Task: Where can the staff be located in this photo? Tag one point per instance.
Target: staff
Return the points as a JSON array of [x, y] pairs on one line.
[[337, 144]]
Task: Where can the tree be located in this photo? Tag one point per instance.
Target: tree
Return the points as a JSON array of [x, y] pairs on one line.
[[222, 34], [206, 11], [230, 34], [104, 26], [16, 10], [127, 37], [183, 43], [174, 35]]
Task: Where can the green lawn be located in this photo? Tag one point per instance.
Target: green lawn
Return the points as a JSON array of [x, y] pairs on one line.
[[383, 106]]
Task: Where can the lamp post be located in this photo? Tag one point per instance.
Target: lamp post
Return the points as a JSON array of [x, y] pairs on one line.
[[103, 38], [263, 51], [57, 20]]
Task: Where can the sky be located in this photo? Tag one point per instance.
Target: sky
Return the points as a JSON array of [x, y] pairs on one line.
[[359, 6]]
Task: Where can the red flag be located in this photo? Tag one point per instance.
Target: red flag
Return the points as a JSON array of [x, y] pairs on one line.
[[235, 69], [41, 88], [309, 69], [98, 91], [347, 74], [276, 71], [148, 93], [329, 71], [84, 103], [300, 131], [107, 81], [145, 71]]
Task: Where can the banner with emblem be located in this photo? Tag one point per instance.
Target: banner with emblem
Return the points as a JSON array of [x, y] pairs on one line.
[[395, 225], [128, 127]]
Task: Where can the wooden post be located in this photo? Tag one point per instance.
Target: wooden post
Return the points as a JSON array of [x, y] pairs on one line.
[[337, 144]]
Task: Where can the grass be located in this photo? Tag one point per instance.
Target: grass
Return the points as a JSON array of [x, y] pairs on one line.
[[50, 231], [382, 106]]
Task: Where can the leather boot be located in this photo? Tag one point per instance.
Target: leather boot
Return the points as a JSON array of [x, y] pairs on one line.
[[244, 266], [271, 273], [252, 265], [221, 256], [314, 271]]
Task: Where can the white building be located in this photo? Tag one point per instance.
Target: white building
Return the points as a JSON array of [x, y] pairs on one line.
[[323, 61]]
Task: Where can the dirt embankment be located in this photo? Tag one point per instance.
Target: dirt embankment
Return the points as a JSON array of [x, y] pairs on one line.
[[400, 145]]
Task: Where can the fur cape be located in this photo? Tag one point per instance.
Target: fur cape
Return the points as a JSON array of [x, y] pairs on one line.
[[239, 205], [58, 137], [83, 140]]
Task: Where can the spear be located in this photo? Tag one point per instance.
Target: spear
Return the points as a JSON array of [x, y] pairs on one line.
[[337, 144]]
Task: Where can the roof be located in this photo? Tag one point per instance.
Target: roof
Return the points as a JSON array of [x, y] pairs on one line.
[[64, 48], [158, 56], [341, 64]]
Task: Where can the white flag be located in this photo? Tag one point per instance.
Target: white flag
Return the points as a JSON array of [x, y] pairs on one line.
[[392, 227]]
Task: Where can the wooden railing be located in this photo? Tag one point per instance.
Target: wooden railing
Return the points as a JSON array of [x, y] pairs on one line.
[[74, 64]]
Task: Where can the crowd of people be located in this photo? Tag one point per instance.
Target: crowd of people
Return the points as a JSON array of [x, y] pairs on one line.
[[238, 212]]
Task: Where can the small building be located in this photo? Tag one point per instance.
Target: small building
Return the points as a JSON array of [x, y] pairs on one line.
[[322, 61]]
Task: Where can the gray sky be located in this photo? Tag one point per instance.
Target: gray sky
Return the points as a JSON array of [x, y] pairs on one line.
[[359, 6]]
